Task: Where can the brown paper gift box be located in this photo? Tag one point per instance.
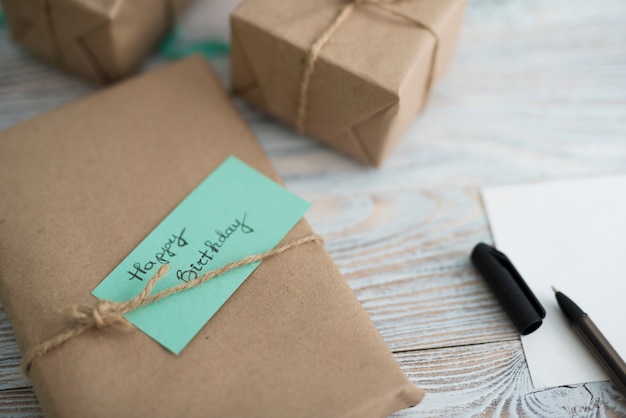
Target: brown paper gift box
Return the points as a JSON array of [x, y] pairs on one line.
[[101, 40], [82, 186], [370, 80]]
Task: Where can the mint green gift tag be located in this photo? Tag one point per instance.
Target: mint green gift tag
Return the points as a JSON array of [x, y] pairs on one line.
[[233, 213]]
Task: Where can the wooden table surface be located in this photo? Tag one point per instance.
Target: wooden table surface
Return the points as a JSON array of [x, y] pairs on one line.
[[537, 91]]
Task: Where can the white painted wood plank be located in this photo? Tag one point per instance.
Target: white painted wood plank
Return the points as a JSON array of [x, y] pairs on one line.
[[492, 380], [406, 256]]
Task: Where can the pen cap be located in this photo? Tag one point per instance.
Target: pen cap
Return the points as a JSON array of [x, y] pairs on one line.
[[510, 289]]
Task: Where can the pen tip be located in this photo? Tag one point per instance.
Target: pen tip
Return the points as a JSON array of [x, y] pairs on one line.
[[555, 290]]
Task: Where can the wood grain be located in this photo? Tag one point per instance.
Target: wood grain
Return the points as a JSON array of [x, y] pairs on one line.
[[10, 374], [405, 254], [19, 403], [492, 379], [537, 90]]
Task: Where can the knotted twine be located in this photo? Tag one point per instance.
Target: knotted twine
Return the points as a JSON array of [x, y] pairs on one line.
[[319, 44], [105, 313]]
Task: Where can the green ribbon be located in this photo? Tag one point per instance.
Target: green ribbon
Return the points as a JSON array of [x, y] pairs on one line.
[[172, 48], [1, 19]]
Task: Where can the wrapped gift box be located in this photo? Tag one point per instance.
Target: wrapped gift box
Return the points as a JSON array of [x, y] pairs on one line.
[[83, 185], [102, 41], [370, 80]]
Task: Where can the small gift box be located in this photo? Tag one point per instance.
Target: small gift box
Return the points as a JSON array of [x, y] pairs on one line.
[[86, 183], [102, 41], [351, 73]]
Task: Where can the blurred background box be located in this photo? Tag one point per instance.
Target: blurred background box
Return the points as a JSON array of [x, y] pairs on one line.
[[100, 40]]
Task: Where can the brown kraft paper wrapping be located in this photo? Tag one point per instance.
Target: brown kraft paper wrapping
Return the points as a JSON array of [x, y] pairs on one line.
[[371, 78], [102, 40], [83, 185]]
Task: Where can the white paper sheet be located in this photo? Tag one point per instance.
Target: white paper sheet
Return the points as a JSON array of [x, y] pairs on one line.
[[570, 234]]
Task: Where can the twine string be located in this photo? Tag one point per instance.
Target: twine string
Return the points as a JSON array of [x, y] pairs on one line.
[[105, 313], [316, 49]]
